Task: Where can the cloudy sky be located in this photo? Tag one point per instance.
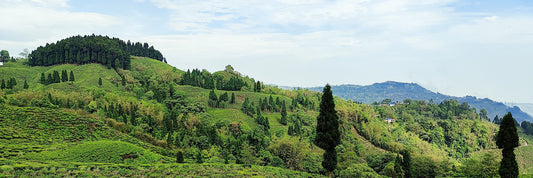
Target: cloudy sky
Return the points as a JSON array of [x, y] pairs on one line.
[[457, 47]]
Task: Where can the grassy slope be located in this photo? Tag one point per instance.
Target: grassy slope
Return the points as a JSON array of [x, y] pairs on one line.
[[55, 139], [25, 130], [87, 78]]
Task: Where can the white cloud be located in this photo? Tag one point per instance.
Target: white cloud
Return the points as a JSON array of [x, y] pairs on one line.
[[39, 22], [312, 41]]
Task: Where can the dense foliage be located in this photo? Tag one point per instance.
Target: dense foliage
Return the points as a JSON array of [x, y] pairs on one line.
[[267, 129], [55, 78], [206, 80], [111, 52], [327, 130], [507, 140]]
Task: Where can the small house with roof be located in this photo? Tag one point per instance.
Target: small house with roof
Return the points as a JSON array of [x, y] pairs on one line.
[[390, 120]]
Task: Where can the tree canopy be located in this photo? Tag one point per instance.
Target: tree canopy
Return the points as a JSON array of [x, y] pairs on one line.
[[111, 52], [508, 140], [327, 130]]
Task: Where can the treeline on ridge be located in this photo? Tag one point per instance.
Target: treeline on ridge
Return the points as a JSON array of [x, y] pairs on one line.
[[112, 52], [206, 80]]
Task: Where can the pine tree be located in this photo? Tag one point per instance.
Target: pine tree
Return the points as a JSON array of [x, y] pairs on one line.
[[64, 76], [213, 99], [100, 81], [496, 120], [49, 79], [26, 86], [3, 85], [43, 79], [133, 118], [71, 78], [283, 119], [56, 78], [232, 100], [398, 166], [507, 139], [179, 157], [406, 164], [327, 130]]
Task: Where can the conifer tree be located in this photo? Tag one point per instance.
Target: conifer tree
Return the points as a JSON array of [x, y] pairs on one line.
[[327, 130], [64, 76], [232, 100], [26, 86], [71, 78], [133, 111], [398, 166], [49, 79], [100, 81], [283, 119], [43, 79], [406, 164], [56, 78], [3, 86], [507, 139], [213, 99], [179, 157]]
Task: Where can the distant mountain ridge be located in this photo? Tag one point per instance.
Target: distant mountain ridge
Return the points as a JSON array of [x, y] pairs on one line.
[[399, 91]]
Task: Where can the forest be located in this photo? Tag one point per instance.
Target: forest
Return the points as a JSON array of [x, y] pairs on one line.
[[96, 118], [110, 52]]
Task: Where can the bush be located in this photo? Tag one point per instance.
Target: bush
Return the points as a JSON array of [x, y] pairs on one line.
[[358, 170]]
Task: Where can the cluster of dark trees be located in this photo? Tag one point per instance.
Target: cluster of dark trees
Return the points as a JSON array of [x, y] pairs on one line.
[[121, 113], [302, 100], [295, 126], [258, 86], [248, 107], [198, 78], [269, 104], [220, 102], [10, 83], [111, 52], [206, 80], [54, 77], [528, 127], [265, 105], [262, 121]]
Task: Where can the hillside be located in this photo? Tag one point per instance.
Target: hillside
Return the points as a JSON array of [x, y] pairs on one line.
[[152, 119], [398, 92]]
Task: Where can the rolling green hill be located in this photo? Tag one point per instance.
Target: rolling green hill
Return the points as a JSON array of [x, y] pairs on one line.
[[222, 123]]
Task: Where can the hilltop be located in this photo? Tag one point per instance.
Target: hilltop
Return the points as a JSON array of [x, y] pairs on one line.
[[398, 92]]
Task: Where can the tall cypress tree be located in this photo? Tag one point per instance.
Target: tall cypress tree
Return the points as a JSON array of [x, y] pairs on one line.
[[232, 100], [26, 86], [327, 130], [406, 164], [56, 77], [100, 81], [64, 76], [283, 119], [71, 78], [43, 79], [507, 139]]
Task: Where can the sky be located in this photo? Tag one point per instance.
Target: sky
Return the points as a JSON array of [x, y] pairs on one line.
[[480, 48]]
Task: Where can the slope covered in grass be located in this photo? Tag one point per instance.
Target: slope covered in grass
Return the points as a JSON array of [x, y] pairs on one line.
[[104, 151]]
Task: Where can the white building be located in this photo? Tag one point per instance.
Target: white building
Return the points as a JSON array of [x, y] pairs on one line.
[[1, 64]]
